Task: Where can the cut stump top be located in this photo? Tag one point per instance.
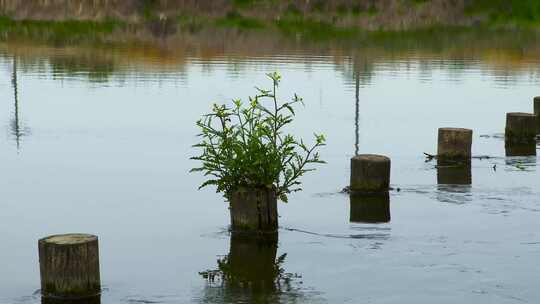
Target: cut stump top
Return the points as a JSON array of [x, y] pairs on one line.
[[371, 158], [69, 239], [520, 114], [455, 129]]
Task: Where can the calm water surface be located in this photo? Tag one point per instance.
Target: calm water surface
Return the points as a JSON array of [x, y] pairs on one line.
[[99, 141]]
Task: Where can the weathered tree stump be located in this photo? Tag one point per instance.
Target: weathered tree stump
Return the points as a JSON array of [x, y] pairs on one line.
[[370, 173], [520, 149], [69, 266], [370, 208], [537, 113], [254, 210], [452, 173], [520, 128], [454, 144]]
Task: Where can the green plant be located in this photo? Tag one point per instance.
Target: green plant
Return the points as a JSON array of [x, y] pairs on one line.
[[245, 145]]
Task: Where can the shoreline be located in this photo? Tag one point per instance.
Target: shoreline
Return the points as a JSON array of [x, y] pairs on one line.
[[70, 32], [318, 18]]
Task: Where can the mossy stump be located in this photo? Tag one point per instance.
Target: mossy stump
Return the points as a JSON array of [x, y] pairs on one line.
[[254, 210], [370, 208], [454, 173], [370, 173], [454, 144], [537, 113], [520, 129], [69, 267]]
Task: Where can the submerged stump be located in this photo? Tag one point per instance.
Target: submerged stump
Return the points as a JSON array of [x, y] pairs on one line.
[[69, 267], [520, 129], [370, 208], [254, 209], [370, 173], [454, 144], [537, 113]]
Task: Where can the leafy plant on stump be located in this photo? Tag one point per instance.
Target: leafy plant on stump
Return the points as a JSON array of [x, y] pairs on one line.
[[244, 145]]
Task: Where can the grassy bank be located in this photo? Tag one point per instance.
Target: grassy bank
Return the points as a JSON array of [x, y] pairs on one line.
[[62, 32], [307, 26], [504, 13], [334, 17], [73, 31]]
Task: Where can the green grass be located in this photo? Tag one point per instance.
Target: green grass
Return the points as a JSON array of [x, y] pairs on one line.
[[57, 31], [293, 22], [244, 3], [501, 12]]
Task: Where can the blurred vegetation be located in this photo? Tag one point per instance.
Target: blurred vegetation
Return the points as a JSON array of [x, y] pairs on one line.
[[235, 19], [319, 21], [313, 29], [503, 12], [57, 32]]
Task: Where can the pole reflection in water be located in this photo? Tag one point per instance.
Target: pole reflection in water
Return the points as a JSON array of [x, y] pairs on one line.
[[93, 300], [362, 73], [16, 128], [15, 124], [252, 272], [454, 173], [520, 150], [370, 208], [357, 112]]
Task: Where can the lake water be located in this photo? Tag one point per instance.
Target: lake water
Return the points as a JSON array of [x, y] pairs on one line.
[[99, 141]]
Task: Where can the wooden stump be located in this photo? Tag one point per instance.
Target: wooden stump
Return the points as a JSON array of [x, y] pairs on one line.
[[370, 173], [370, 208], [69, 266], [537, 113], [520, 149], [520, 128], [452, 173], [454, 144], [254, 210]]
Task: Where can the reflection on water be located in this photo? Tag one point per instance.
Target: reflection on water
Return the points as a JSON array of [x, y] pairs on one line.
[[454, 180], [521, 163], [504, 57], [111, 141], [520, 150], [93, 300], [357, 111], [454, 173], [95, 69], [372, 208], [252, 272], [16, 127], [454, 194]]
